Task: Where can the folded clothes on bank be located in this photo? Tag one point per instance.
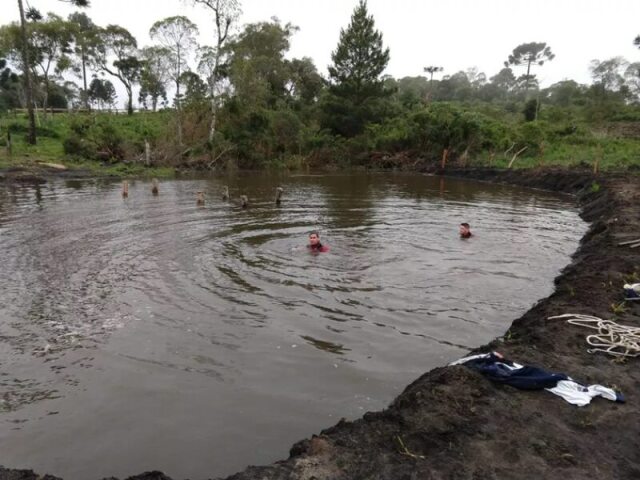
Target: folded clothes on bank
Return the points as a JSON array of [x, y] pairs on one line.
[[525, 377]]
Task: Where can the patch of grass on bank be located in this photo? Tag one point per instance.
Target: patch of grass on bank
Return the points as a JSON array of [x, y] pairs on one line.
[[130, 131], [613, 154], [109, 144]]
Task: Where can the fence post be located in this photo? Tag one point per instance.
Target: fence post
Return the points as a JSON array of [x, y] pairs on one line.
[[147, 152]]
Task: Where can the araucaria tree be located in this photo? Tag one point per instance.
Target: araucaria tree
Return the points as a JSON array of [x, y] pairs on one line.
[[529, 55], [356, 92], [431, 70], [178, 36]]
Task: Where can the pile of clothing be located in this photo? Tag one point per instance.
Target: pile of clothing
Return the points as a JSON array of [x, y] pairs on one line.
[[498, 369], [632, 291]]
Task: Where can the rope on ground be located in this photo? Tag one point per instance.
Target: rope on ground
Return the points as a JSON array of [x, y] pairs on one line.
[[612, 338]]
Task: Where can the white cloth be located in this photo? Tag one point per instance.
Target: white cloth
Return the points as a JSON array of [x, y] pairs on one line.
[[579, 395], [515, 365]]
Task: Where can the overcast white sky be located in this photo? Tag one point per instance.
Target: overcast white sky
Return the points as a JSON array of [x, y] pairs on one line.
[[454, 34]]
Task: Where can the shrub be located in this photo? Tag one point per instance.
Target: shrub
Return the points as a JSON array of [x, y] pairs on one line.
[[78, 147]]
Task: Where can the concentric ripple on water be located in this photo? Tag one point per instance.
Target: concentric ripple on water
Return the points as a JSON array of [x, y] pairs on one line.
[[149, 333]]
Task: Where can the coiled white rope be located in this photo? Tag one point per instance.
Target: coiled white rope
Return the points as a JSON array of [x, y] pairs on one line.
[[612, 338]]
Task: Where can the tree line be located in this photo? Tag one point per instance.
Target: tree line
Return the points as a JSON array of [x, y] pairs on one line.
[[241, 96]]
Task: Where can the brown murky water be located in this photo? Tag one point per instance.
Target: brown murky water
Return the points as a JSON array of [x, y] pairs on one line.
[[148, 333]]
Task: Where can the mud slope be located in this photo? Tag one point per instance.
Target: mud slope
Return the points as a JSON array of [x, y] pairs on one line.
[[451, 423]]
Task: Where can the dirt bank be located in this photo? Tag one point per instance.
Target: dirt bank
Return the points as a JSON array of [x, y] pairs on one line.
[[38, 174], [451, 423]]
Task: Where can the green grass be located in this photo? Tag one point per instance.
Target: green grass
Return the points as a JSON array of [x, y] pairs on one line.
[[615, 154], [573, 151], [52, 131]]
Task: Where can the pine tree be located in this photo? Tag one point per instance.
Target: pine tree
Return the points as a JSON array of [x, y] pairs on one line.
[[356, 92]]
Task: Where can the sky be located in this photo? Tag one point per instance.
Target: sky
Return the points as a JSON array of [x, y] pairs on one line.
[[453, 34]]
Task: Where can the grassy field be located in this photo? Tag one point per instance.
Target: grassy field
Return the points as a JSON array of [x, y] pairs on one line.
[[53, 130], [613, 154]]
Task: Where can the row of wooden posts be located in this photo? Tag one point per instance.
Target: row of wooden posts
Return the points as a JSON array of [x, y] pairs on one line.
[[244, 200]]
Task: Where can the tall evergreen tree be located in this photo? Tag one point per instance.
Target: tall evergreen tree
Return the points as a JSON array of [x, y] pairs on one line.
[[529, 55], [356, 91]]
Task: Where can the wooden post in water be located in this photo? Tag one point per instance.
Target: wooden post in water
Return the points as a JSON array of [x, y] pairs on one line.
[[200, 199], [445, 154], [225, 193], [279, 192], [125, 189], [154, 186], [244, 201]]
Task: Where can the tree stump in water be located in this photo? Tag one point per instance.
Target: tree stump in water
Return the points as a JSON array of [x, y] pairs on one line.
[[244, 201], [125, 189], [225, 193], [279, 192], [154, 186], [200, 199]]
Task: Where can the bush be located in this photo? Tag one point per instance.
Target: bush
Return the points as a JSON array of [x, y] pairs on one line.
[[532, 135], [78, 147], [16, 128], [531, 109], [109, 141]]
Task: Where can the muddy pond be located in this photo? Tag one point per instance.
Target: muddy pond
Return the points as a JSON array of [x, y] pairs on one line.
[[150, 333]]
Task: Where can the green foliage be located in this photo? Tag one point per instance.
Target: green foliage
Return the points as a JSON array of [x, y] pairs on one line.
[[20, 128], [356, 94], [101, 93], [48, 48], [177, 38], [78, 147], [273, 111], [261, 75], [530, 110], [117, 43], [532, 135], [437, 127]]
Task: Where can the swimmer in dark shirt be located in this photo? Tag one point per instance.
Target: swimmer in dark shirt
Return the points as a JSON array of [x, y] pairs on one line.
[[465, 230], [314, 243]]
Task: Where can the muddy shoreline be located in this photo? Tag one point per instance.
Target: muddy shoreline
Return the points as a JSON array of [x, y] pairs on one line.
[[451, 423]]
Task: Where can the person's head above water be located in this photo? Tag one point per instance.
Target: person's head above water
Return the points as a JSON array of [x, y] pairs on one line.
[[465, 230], [314, 239], [314, 242]]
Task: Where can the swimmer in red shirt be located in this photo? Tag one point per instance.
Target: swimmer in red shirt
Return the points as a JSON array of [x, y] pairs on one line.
[[314, 243]]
